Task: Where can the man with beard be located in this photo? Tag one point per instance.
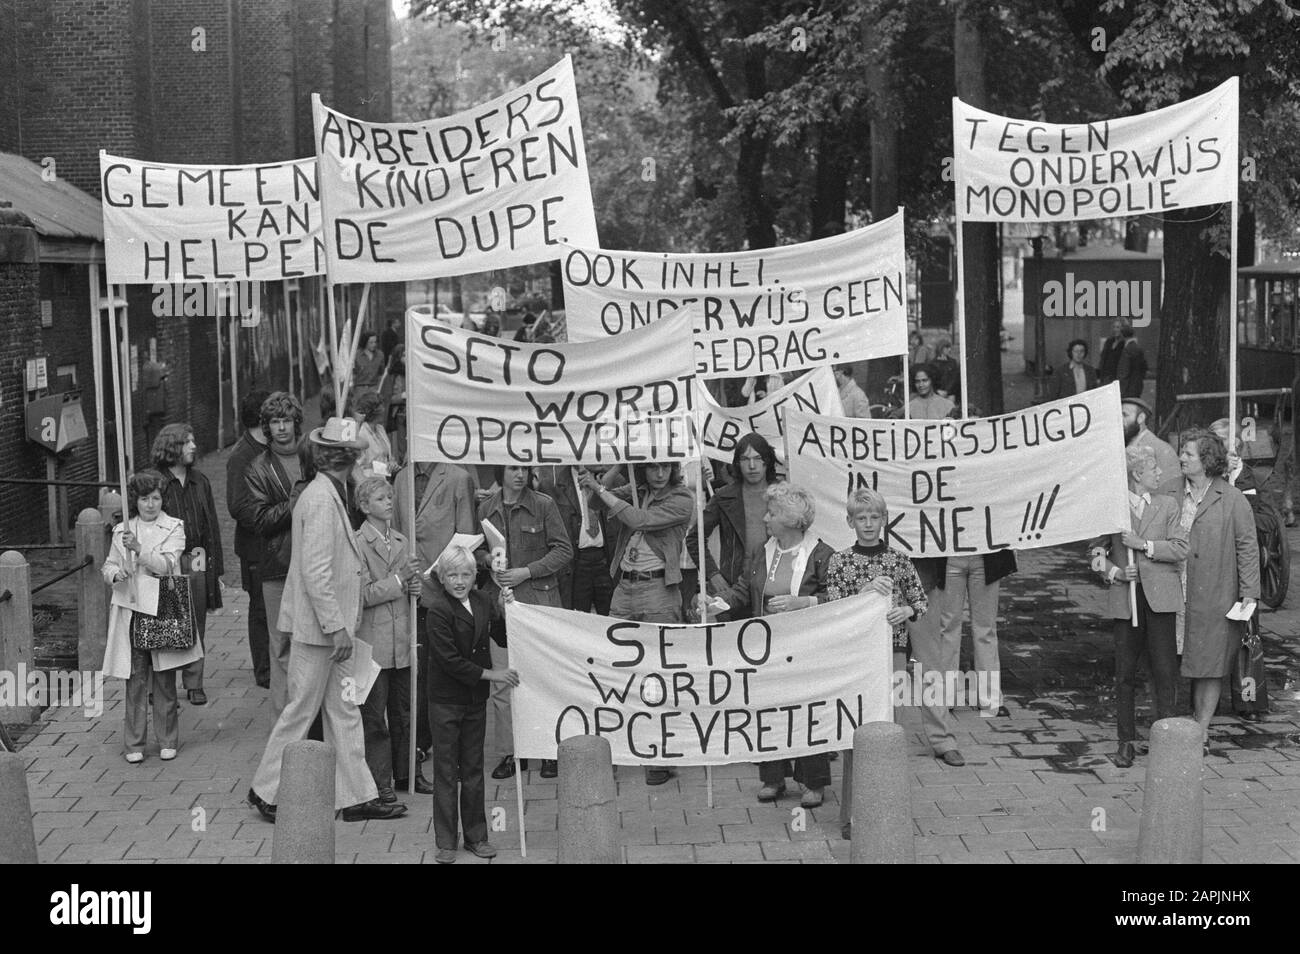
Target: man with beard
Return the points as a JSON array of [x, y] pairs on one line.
[[187, 496], [1137, 414]]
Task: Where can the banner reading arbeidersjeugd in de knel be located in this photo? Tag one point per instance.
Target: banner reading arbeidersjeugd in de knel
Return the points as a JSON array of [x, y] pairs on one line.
[[1047, 475], [498, 185]]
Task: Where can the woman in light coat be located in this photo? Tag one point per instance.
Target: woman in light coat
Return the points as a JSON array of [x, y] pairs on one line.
[[148, 543]]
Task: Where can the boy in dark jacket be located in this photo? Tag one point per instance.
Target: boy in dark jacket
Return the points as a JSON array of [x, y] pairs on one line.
[[459, 619]]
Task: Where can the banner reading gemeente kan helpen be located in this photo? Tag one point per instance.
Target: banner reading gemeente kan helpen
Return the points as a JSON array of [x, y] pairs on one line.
[[755, 690], [190, 223], [759, 311], [498, 185], [476, 399], [1047, 475], [1021, 170]]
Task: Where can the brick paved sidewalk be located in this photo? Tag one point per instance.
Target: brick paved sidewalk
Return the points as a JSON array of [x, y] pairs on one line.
[[1037, 788]]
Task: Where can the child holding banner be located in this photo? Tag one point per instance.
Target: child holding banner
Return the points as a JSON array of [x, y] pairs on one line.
[[872, 564]]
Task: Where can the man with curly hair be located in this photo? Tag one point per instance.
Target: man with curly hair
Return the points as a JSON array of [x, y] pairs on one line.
[[187, 496]]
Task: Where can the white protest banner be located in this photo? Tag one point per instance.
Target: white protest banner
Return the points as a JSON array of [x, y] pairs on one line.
[[482, 400], [491, 187], [1048, 475], [760, 689], [181, 223], [763, 311], [814, 393], [1020, 170]]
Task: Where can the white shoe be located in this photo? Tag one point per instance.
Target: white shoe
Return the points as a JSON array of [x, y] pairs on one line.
[[167, 754], [135, 758]]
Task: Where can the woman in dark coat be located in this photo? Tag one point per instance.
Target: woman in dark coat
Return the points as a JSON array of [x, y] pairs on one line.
[[1222, 568], [1076, 375]]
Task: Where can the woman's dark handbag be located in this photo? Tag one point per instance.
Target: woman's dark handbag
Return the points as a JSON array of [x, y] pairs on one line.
[[173, 627]]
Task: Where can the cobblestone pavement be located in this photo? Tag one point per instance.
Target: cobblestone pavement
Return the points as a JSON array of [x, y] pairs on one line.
[[1038, 788]]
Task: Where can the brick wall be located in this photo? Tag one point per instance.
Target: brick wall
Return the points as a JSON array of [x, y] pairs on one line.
[[265, 78], [193, 99], [22, 508]]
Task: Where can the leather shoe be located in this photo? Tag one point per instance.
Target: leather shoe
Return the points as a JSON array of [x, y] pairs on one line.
[[505, 768], [197, 697], [812, 798], [372, 810], [951, 757], [387, 796], [770, 793], [267, 811], [847, 831], [422, 785], [483, 849], [1124, 755], [550, 768], [445, 856]]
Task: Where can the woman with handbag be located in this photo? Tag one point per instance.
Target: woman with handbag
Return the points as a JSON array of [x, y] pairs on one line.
[[147, 648]]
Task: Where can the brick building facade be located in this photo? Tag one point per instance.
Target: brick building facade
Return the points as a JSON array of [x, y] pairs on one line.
[[187, 81]]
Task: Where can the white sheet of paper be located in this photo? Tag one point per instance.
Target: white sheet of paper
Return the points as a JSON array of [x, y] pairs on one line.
[[363, 668], [495, 538], [1240, 613], [138, 594]]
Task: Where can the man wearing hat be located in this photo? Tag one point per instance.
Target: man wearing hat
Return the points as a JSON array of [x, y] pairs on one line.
[[321, 609], [1137, 415]]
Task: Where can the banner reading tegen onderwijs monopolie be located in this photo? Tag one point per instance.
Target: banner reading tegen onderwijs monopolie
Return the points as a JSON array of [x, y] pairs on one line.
[[762, 311], [475, 399], [1044, 476], [499, 185], [774, 687], [180, 223], [1021, 170]]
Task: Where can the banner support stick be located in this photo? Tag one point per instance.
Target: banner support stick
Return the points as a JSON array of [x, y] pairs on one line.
[[411, 504], [334, 350], [961, 309], [702, 561], [356, 338], [221, 405], [519, 804], [122, 436], [1232, 324], [1132, 595]]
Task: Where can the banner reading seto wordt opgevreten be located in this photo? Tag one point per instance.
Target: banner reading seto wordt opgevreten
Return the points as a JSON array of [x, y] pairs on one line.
[[814, 393], [762, 311], [475, 399], [499, 185], [1048, 475], [1020, 170], [773, 687], [189, 223]]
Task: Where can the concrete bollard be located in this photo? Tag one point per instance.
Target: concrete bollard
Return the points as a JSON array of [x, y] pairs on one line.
[[92, 593], [17, 836], [588, 806], [1172, 831], [16, 631], [304, 816], [882, 798]]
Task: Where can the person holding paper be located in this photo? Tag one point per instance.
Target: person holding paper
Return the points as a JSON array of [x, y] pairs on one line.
[[1146, 558], [737, 511], [391, 578], [322, 609], [872, 564], [789, 573], [150, 545], [538, 550], [647, 554], [459, 625], [1222, 568]]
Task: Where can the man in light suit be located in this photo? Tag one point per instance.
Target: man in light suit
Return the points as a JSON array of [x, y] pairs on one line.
[[445, 505], [321, 609], [1158, 544]]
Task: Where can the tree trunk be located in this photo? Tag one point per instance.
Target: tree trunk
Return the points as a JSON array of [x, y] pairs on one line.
[[884, 141], [979, 283], [1193, 348], [830, 183], [760, 222]]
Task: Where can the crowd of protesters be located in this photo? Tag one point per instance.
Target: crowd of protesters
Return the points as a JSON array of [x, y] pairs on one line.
[[324, 538]]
